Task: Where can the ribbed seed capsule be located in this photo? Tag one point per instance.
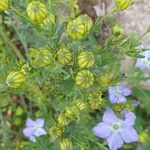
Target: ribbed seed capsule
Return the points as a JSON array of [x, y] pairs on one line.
[[76, 30], [66, 144], [40, 58], [117, 30], [63, 120], [64, 56], [95, 100], [56, 131], [123, 4], [86, 59], [16, 79], [4, 5], [37, 11], [84, 79], [87, 21]]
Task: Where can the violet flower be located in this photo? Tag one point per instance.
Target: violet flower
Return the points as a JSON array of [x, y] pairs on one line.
[[34, 129], [118, 93], [144, 63], [116, 131]]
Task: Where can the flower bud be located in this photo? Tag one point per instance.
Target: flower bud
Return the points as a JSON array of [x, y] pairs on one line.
[[4, 5], [86, 59], [95, 100], [117, 30], [84, 79], [144, 137], [76, 30], [124, 4], [63, 120], [36, 11], [56, 131], [66, 144], [15, 79], [87, 21], [80, 105], [105, 79], [40, 58], [64, 55]]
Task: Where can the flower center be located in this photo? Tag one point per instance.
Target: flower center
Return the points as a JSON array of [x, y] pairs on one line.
[[117, 92], [116, 126]]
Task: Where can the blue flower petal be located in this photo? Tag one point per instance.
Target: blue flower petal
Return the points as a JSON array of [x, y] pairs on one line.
[[39, 132], [103, 130], [115, 141], [129, 134]]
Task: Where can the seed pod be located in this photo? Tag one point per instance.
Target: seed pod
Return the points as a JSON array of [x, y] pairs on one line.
[[64, 56], [123, 4], [80, 105], [86, 59], [76, 30], [105, 79], [72, 112], [36, 11], [95, 100], [63, 120], [50, 19], [40, 58], [66, 144], [56, 131], [117, 30], [15, 79], [87, 21], [4, 4], [84, 79]]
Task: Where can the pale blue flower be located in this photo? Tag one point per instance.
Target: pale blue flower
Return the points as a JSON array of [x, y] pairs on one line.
[[116, 131], [34, 129], [144, 63], [118, 93]]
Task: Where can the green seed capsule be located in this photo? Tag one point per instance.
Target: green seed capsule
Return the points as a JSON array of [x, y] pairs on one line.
[[15, 79], [4, 5], [37, 11], [84, 79], [86, 59], [123, 4], [66, 144], [117, 30], [64, 56]]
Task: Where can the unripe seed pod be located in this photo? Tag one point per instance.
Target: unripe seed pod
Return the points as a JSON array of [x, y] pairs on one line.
[[87, 21], [84, 79], [50, 19], [37, 11], [4, 4], [56, 131], [124, 4], [40, 58], [66, 144], [76, 30], [15, 79], [64, 56], [63, 120], [86, 59], [95, 100], [117, 30]]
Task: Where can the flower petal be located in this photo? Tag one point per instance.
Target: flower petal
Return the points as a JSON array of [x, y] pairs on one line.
[[126, 91], [39, 132], [30, 123], [115, 141], [129, 119], [121, 99], [39, 122], [102, 130], [129, 134], [109, 116], [32, 139], [28, 131]]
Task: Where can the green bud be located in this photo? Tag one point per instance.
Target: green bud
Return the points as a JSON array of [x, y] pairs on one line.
[[66, 144], [19, 111], [117, 30], [15, 79], [124, 4]]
